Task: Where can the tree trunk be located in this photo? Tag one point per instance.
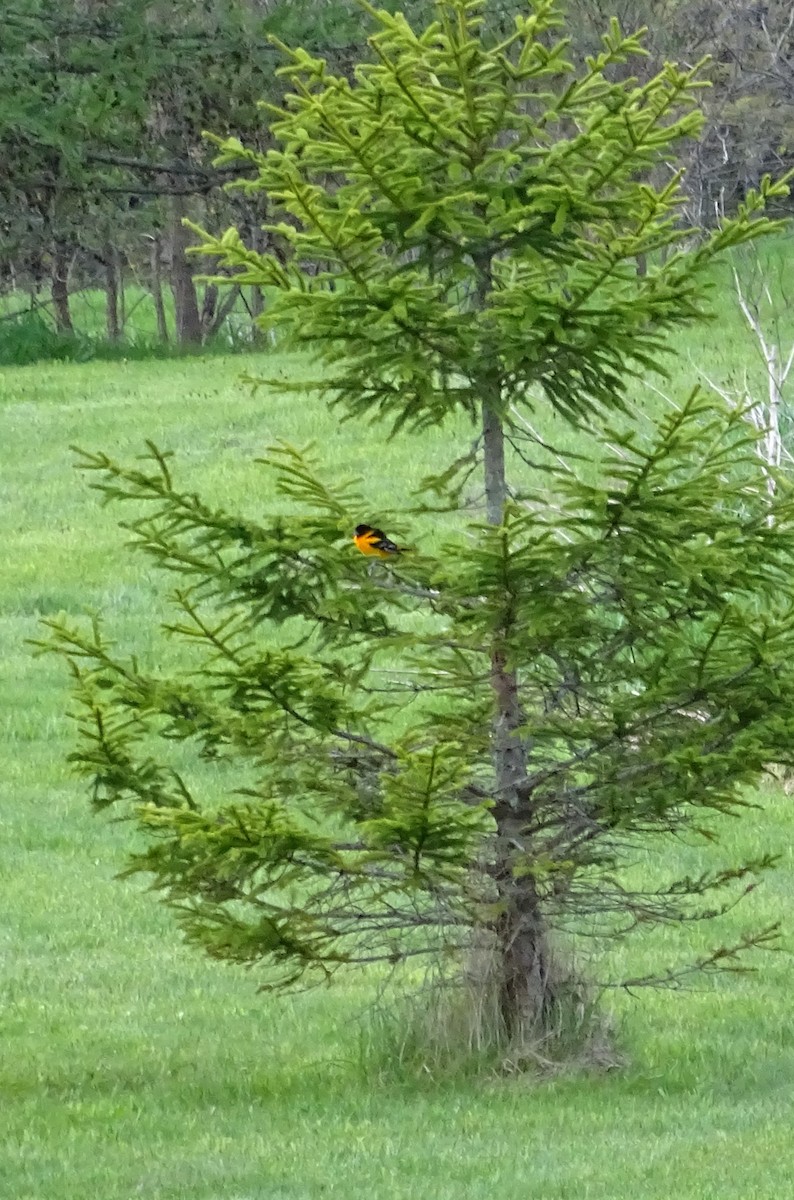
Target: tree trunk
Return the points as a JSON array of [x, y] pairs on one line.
[[525, 982], [257, 302], [209, 307], [188, 318], [60, 288], [527, 987], [112, 294], [255, 309], [223, 310], [120, 260], [156, 286]]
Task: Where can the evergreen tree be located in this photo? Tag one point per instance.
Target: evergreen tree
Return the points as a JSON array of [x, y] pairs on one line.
[[600, 661]]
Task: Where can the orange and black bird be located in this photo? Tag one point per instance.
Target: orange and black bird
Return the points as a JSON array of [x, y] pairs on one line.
[[374, 543]]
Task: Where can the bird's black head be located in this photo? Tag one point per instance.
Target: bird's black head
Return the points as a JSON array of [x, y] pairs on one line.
[[362, 529]]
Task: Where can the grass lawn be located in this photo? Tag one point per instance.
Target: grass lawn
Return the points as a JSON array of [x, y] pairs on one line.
[[130, 1066], [32, 337]]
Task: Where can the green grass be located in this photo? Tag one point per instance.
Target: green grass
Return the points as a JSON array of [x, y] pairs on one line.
[[130, 1066], [29, 337]]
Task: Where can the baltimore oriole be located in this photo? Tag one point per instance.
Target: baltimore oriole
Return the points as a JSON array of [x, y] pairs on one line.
[[374, 542]]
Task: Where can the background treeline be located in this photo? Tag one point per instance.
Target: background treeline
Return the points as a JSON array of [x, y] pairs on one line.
[[103, 104]]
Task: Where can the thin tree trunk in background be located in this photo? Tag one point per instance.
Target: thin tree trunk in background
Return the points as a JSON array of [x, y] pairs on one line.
[[120, 262], [60, 288], [36, 283], [257, 302], [188, 318], [157, 290], [209, 307], [111, 294], [256, 308], [224, 310]]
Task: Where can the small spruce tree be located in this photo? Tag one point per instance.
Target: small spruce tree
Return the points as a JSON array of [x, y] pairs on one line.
[[458, 752]]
